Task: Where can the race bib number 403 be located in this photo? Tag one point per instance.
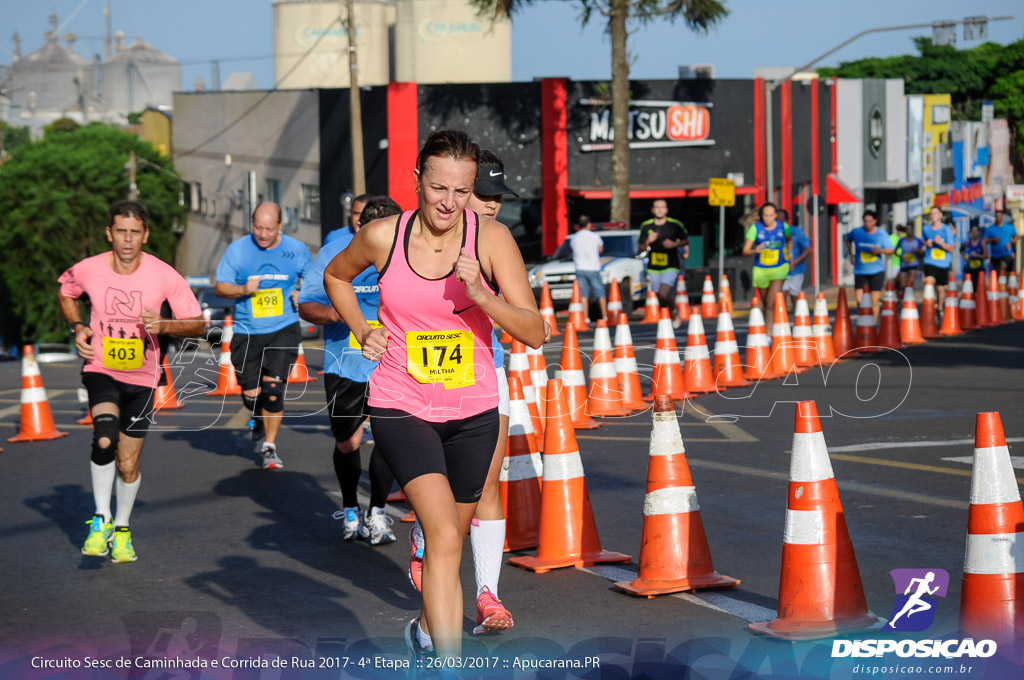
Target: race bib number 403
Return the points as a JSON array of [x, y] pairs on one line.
[[123, 354], [267, 302], [444, 357]]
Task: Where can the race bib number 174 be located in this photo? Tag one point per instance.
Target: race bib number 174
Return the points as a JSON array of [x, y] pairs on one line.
[[444, 357]]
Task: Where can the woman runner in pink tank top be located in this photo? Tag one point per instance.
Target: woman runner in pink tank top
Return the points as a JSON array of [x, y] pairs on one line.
[[433, 398]]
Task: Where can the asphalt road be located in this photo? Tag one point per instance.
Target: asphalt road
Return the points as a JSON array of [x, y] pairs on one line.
[[240, 563]]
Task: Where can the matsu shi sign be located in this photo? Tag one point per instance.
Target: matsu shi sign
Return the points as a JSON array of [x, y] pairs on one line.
[[652, 124]]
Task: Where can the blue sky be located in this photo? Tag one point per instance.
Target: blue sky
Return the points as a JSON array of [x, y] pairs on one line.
[[546, 38]]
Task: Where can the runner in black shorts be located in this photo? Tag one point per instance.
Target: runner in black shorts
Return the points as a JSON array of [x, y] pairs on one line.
[[262, 272]]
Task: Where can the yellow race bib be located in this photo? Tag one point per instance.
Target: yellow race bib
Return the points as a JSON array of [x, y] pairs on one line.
[[938, 254], [123, 354], [974, 264], [659, 259], [910, 258], [768, 258], [444, 357], [267, 302], [868, 257], [352, 342]]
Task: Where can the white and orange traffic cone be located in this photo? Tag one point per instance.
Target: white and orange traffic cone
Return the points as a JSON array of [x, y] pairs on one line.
[[626, 370], [87, 420], [929, 310], [36, 418], [867, 334], [910, 323], [1004, 300], [604, 398], [568, 535], [805, 349], [758, 364], [697, 359], [821, 331], [667, 378], [577, 313], [728, 369], [539, 377], [1014, 295], [651, 308], [519, 367], [682, 301], [968, 310], [519, 480], [708, 306], [889, 335], [575, 382], [783, 351], [995, 311], [992, 593], [614, 302], [951, 313], [842, 330], [983, 307], [165, 397], [820, 590], [227, 381], [724, 296], [300, 372], [547, 309], [674, 552]]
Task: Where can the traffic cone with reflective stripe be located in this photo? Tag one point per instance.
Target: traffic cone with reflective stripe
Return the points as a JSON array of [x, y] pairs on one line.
[[521, 470], [889, 336], [1004, 300], [804, 347], [929, 312], [577, 313], [910, 323], [983, 307], [227, 381], [708, 306], [651, 308], [758, 365], [842, 330], [300, 372], [165, 397], [992, 592], [783, 352], [867, 335], [1014, 295], [995, 312], [667, 378], [614, 302], [697, 365], [568, 536], [547, 309], [820, 590], [674, 552], [36, 419], [87, 420], [626, 370], [519, 367], [951, 313], [728, 370], [539, 377], [724, 296], [575, 382], [682, 301], [968, 310], [604, 397], [821, 331]]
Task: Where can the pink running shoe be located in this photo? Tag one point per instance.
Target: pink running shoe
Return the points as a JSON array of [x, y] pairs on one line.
[[416, 561], [491, 615]]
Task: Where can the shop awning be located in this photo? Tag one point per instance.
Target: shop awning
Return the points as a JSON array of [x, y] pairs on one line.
[[890, 192], [837, 191]]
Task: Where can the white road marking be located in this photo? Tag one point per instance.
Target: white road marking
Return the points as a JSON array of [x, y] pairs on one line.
[[1016, 461], [878, 446]]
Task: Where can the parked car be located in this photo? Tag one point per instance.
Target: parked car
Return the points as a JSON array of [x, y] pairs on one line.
[[618, 261], [215, 308]]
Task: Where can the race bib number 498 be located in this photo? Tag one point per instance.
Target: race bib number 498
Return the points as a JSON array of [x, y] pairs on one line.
[[267, 302]]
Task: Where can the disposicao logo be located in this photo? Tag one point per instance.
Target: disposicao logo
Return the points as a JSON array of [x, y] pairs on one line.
[[914, 609]]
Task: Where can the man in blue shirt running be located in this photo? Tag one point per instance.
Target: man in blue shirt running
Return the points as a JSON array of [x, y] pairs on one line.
[[794, 282], [1001, 239], [261, 272], [939, 244], [865, 246], [355, 219]]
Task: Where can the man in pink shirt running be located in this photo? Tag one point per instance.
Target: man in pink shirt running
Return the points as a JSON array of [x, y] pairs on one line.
[[125, 287]]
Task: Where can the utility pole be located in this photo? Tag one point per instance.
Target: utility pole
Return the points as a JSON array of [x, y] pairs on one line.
[[108, 40], [133, 189], [354, 106]]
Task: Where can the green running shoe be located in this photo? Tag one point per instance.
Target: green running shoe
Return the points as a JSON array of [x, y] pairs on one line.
[[122, 551], [98, 541]]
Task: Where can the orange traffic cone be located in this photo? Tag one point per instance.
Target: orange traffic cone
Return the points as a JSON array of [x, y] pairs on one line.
[[697, 365], [547, 309], [651, 308], [682, 301], [724, 296], [783, 351], [1014, 294], [820, 591], [929, 312], [87, 420], [614, 302], [1004, 300], [992, 592], [577, 314], [910, 323], [758, 365], [667, 378], [822, 333], [626, 370], [804, 346], [505, 337], [36, 419], [951, 313], [982, 303], [227, 381], [604, 397], [568, 536], [995, 313], [867, 335], [519, 367], [539, 377], [674, 552], [889, 336], [968, 311], [842, 330], [728, 370], [521, 472], [571, 375], [300, 372], [165, 397], [708, 306]]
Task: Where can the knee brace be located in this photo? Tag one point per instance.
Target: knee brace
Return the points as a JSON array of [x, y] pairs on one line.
[[250, 403], [105, 426], [273, 396]]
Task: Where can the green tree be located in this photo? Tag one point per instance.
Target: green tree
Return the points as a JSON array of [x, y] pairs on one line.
[[54, 195], [12, 137], [698, 15]]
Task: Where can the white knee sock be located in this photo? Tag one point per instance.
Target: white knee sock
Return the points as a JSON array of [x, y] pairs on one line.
[[488, 540], [103, 487], [423, 638], [125, 500]]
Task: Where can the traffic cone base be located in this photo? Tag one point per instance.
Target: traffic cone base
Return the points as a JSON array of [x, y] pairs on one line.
[[36, 422], [300, 372], [519, 481]]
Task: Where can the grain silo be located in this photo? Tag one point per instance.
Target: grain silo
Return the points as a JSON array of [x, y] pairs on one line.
[[139, 76], [52, 78]]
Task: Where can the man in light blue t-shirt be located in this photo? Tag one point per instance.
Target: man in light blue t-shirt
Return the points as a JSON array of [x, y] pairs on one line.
[[939, 244], [1001, 239], [794, 282], [865, 246]]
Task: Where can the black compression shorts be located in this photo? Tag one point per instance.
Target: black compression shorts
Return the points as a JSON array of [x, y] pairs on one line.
[[346, 405], [269, 354], [134, 402]]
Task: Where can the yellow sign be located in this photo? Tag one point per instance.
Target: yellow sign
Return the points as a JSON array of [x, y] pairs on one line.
[[267, 302], [444, 357], [721, 191], [123, 354]]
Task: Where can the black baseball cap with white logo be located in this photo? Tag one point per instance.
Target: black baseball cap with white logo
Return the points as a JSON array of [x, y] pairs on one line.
[[490, 181]]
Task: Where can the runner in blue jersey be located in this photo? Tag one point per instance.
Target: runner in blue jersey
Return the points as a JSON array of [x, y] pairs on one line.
[[910, 252], [974, 252], [865, 246], [939, 243], [346, 374], [1001, 239], [355, 219], [794, 282], [262, 273], [770, 242]]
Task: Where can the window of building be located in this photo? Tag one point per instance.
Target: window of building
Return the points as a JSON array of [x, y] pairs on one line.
[[274, 190], [197, 196], [311, 202]]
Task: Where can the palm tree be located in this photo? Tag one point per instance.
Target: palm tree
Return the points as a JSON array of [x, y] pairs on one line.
[[699, 16]]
